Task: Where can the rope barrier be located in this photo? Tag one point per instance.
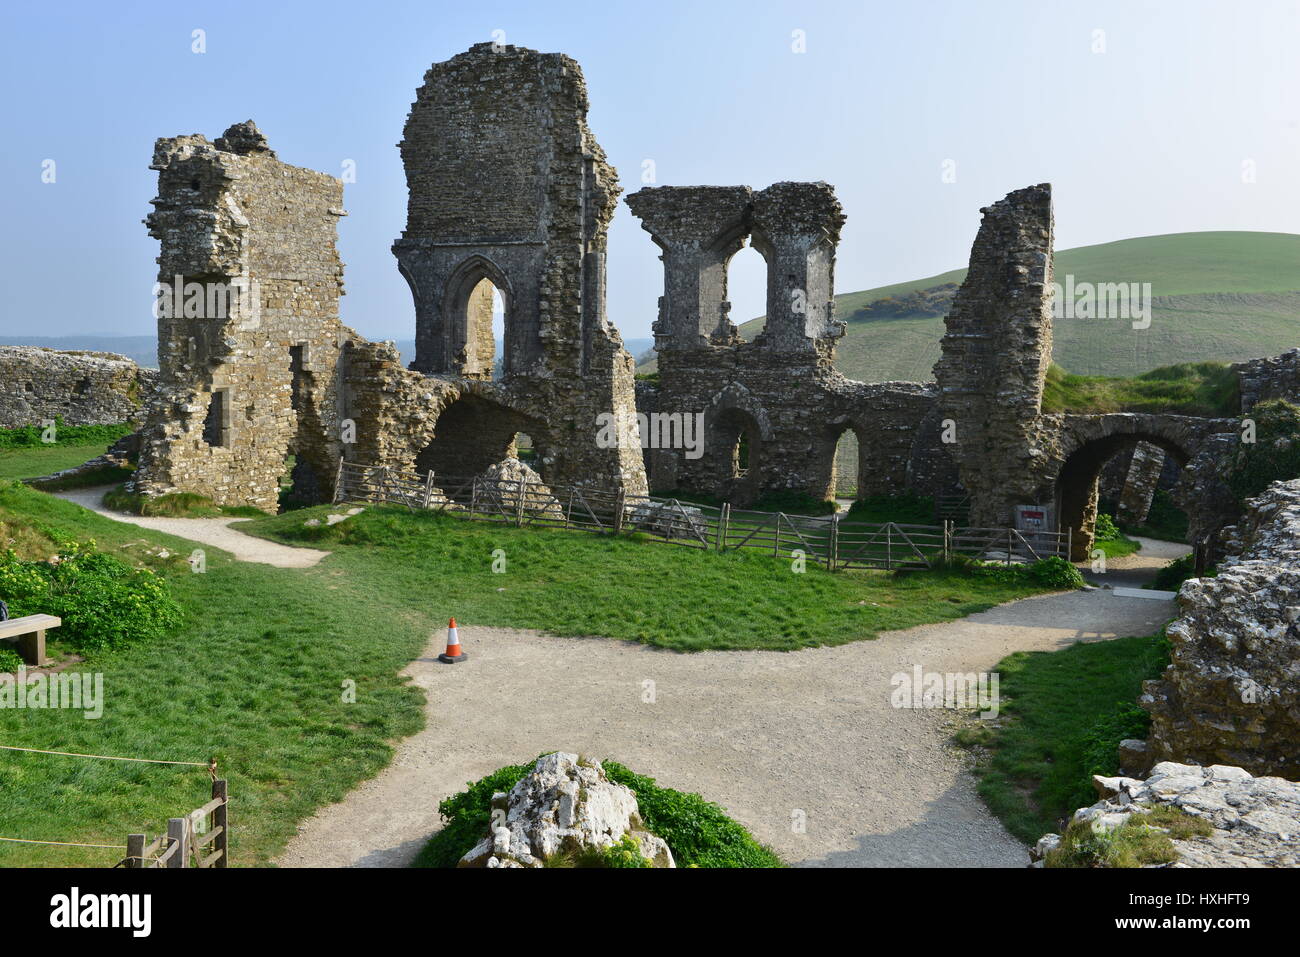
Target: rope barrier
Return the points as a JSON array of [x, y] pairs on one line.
[[211, 764], [20, 840]]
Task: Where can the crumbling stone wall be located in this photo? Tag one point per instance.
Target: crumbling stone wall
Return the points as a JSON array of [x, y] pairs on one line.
[[1231, 694], [773, 408], [245, 383], [996, 350], [82, 388], [1276, 377], [508, 185]]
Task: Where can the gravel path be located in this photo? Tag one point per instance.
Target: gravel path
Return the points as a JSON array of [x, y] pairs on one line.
[[1138, 568], [216, 532], [764, 734]]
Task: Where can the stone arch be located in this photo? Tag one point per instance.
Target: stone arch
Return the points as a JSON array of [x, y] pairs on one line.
[[736, 428], [1084, 455], [825, 472], [476, 430], [467, 318]]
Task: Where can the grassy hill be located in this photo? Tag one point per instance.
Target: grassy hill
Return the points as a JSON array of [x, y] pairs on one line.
[[1222, 296]]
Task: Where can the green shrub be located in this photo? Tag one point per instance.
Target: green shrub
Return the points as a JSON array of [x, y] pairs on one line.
[[1275, 453], [1054, 572], [105, 604], [1106, 530], [30, 436], [697, 831], [1172, 576], [10, 660], [1165, 520], [466, 817]]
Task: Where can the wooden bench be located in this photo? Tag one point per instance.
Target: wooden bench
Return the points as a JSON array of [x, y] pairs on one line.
[[29, 635]]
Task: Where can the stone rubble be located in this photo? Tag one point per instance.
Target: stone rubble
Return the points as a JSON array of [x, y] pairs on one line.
[[1256, 820], [563, 807]]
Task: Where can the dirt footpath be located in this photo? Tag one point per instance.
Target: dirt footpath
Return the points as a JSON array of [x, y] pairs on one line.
[[216, 532], [765, 734]]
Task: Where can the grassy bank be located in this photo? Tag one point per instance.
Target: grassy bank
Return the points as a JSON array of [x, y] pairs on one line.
[[1063, 716], [25, 463], [253, 677], [1194, 388]]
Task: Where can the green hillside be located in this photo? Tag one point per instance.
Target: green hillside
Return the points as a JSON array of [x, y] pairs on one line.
[[1222, 296]]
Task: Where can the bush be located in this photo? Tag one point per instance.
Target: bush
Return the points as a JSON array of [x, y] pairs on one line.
[[105, 604], [1106, 530], [1054, 572], [1172, 576], [697, 831], [1275, 453], [30, 436]]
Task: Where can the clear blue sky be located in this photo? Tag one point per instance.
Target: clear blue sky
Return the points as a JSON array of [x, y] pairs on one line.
[[1147, 137]]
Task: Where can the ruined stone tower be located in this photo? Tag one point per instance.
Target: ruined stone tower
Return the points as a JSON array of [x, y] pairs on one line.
[[249, 336], [509, 189], [774, 408], [996, 351]]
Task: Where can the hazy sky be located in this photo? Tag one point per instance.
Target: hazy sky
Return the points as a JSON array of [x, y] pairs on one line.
[[1143, 127]]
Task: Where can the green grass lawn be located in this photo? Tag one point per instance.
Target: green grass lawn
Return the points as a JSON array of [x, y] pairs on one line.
[[23, 463], [578, 583], [1063, 714]]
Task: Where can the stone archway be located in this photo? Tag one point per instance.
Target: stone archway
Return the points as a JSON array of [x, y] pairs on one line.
[[734, 446], [1075, 491], [474, 433]]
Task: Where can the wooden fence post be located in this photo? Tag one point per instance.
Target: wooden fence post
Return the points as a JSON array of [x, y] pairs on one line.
[[723, 518], [889, 546], [178, 833], [618, 510], [428, 488], [568, 512], [1008, 547], [135, 850], [519, 505], [833, 545], [338, 483], [776, 539], [221, 819], [473, 497]]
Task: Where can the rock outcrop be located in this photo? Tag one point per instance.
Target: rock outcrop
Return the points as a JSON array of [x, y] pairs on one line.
[[1231, 694], [562, 810], [1255, 821]]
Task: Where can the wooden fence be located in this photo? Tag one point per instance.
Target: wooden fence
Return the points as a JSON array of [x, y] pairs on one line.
[[199, 839], [833, 541]]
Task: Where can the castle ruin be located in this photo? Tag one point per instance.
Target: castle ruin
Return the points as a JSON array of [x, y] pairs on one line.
[[511, 196]]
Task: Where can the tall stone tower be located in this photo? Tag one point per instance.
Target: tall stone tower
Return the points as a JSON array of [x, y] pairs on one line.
[[996, 351], [508, 187]]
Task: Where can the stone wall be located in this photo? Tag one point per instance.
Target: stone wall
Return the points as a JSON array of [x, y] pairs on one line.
[[249, 354], [82, 388], [1231, 693], [774, 408], [1276, 377]]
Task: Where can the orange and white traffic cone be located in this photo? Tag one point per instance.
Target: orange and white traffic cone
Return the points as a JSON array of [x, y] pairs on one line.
[[453, 653]]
